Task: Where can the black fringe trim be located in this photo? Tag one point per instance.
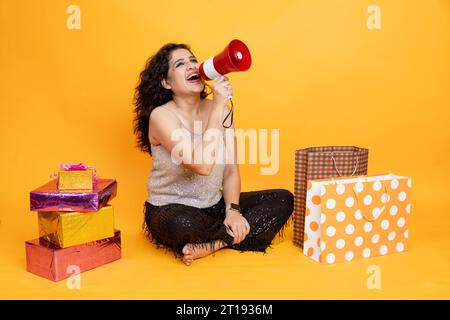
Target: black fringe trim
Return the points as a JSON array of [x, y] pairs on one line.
[[178, 250], [256, 245]]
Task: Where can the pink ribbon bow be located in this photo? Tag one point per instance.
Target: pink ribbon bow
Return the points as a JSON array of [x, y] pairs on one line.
[[73, 167]]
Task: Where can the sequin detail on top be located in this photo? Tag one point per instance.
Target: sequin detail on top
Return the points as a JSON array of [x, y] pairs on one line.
[[169, 182]]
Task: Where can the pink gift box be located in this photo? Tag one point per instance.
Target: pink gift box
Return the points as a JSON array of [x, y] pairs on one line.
[[49, 198], [49, 261]]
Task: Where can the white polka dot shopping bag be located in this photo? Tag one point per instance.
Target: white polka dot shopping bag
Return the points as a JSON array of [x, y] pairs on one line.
[[356, 217]]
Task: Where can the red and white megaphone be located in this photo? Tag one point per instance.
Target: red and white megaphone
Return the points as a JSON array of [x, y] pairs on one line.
[[235, 57]]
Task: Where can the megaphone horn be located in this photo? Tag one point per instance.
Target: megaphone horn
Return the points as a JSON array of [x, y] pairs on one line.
[[235, 57]]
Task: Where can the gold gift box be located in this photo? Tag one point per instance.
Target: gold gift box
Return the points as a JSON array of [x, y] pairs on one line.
[[66, 229], [75, 179]]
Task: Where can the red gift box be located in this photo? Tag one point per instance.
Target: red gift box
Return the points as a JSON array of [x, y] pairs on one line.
[[49, 261]]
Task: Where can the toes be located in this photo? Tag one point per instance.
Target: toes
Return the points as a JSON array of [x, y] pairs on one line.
[[187, 260]]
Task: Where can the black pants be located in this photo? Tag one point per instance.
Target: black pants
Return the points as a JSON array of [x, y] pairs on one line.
[[175, 225]]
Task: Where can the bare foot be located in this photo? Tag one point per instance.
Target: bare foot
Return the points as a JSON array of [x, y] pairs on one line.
[[197, 251]]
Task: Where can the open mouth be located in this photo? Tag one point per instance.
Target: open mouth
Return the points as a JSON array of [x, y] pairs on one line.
[[194, 77]]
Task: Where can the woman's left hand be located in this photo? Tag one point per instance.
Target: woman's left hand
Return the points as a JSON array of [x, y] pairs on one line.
[[238, 224]]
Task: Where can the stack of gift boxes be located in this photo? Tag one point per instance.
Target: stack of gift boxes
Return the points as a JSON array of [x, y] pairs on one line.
[[76, 224]]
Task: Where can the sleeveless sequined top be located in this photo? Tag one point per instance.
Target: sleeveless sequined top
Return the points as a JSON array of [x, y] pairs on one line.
[[169, 182]]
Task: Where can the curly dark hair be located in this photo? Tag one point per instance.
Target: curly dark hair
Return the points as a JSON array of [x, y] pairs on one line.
[[150, 93]]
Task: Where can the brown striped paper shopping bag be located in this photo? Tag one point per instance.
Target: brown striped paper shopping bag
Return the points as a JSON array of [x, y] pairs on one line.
[[321, 163]]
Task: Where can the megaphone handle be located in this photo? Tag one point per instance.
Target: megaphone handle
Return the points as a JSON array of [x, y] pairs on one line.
[[230, 98]]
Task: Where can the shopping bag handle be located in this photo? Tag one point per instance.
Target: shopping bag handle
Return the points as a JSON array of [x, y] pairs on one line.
[[337, 170], [387, 199]]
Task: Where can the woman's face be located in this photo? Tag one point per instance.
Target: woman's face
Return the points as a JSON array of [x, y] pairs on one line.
[[183, 77]]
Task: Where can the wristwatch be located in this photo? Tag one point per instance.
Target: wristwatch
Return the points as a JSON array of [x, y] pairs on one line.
[[233, 206]]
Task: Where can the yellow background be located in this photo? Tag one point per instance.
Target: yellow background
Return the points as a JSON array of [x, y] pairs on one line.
[[319, 75]]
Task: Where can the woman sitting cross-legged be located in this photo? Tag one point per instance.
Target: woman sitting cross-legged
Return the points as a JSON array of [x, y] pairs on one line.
[[196, 207]]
